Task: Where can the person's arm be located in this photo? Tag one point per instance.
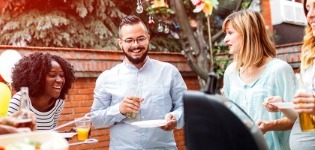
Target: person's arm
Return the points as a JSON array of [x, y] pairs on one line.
[[4, 129], [11, 120], [285, 87], [289, 113], [281, 124], [178, 88], [105, 114]]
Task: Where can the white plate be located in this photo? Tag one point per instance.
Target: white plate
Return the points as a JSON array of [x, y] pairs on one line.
[[283, 105], [50, 140], [150, 123], [68, 134]]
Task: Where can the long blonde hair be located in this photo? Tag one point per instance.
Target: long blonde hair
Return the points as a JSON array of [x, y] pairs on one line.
[[256, 44], [308, 48]]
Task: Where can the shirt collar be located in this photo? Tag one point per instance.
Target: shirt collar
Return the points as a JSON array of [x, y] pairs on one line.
[[131, 66]]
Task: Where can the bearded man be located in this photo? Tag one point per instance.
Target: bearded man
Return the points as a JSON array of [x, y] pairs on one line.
[[139, 89]]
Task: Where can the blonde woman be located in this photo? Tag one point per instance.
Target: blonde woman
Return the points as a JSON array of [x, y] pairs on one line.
[[256, 74], [304, 101]]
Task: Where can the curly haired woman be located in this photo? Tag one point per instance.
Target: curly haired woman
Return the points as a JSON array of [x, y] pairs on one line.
[[48, 77]]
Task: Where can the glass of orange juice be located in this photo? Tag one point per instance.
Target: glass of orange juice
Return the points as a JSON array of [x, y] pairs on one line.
[[83, 128]]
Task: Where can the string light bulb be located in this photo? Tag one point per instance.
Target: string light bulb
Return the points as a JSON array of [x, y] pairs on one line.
[[139, 8], [160, 27]]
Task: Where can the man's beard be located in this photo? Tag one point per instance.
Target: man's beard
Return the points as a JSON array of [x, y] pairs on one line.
[[136, 60]]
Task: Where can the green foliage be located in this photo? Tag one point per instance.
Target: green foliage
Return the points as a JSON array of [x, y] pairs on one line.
[[160, 41], [165, 44], [246, 4], [160, 11], [73, 23], [60, 23], [221, 60], [89, 23]]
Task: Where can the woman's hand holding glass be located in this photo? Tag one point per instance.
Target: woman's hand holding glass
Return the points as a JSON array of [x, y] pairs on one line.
[[304, 102], [304, 105]]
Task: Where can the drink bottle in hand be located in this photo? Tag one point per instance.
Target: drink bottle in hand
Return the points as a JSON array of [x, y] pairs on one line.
[[24, 119]]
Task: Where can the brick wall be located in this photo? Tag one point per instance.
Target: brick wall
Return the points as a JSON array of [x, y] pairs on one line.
[[88, 64], [290, 53], [266, 12]]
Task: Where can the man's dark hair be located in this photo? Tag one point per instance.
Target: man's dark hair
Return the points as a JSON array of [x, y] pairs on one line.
[[130, 20], [31, 72]]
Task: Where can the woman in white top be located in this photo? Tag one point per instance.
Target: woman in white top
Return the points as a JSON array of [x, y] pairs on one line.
[[304, 101], [48, 77]]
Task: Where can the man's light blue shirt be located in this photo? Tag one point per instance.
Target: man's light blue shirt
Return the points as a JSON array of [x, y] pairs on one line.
[[161, 86]]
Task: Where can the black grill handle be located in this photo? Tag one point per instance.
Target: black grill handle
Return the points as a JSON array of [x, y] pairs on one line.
[[211, 86]]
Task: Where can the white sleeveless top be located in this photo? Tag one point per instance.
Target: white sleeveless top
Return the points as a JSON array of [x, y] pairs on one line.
[[44, 120], [303, 140]]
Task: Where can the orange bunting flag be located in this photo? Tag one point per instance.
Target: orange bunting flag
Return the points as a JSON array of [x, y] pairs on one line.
[[205, 5]]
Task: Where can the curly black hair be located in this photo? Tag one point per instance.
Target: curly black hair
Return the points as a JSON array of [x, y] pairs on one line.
[[31, 72]]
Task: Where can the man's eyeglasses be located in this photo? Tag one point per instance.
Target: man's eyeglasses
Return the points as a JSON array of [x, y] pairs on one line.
[[140, 40]]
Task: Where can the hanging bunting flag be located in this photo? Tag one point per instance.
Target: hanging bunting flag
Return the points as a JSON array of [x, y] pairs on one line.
[[159, 4], [205, 5]]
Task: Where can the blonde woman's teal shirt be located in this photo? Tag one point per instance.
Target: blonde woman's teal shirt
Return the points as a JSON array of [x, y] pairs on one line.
[[277, 79]]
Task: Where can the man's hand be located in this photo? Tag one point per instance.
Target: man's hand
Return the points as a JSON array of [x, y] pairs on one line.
[[171, 122], [130, 104]]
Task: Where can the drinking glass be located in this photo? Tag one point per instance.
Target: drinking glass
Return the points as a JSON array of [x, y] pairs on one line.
[[307, 120], [138, 93], [24, 119], [83, 128]]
